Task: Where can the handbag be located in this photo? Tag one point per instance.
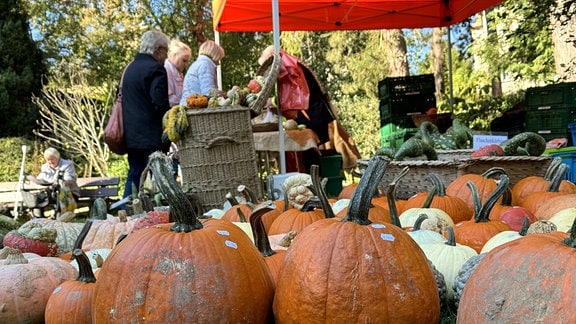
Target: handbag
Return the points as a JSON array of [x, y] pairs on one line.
[[38, 199], [114, 131]]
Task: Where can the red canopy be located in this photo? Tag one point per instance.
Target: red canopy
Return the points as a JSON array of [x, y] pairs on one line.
[[309, 15]]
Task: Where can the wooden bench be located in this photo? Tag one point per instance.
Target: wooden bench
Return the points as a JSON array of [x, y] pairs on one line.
[[90, 189]]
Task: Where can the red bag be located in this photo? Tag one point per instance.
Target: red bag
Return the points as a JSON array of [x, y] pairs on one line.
[[293, 88], [114, 131]]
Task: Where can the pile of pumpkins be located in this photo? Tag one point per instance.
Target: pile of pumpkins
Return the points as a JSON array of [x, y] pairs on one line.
[[477, 247]]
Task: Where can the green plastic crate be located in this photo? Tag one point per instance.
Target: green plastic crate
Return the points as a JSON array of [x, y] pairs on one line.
[[394, 136], [334, 186], [409, 85], [548, 120], [553, 94]]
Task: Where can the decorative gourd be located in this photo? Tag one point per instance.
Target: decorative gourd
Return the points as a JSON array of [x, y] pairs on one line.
[[105, 233], [564, 219], [387, 271], [539, 291], [484, 183], [71, 301], [463, 275], [422, 236], [34, 238], [187, 270], [505, 237], [488, 150], [296, 189], [26, 285], [196, 101], [526, 143], [477, 231], [66, 232], [448, 257], [150, 218], [455, 207], [542, 226], [415, 147], [438, 220]]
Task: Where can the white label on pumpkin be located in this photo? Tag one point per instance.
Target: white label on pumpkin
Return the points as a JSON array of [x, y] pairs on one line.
[[387, 237], [231, 244], [223, 232], [378, 226]]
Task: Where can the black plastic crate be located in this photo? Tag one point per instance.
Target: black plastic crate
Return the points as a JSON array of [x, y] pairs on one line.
[[545, 120], [407, 105], [553, 94], [406, 86]]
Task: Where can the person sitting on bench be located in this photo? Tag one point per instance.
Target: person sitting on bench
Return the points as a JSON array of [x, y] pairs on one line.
[[55, 169]]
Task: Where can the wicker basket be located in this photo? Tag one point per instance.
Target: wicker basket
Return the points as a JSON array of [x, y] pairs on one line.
[[416, 180], [217, 154]]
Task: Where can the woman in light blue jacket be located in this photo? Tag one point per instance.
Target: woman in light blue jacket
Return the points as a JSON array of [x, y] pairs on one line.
[[201, 76]]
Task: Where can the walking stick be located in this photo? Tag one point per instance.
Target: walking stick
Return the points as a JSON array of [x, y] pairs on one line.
[[20, 181]]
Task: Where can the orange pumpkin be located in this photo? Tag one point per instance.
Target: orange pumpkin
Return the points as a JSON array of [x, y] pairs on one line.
[[477, 231], [187, 270], [484, 183], [387, 271], [554, 205], [71, 301], [454, 206], [538, 290], [533, 201], [295, 219]]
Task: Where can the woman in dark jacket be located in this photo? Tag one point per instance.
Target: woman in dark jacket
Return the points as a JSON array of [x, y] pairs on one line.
[[144, 103]]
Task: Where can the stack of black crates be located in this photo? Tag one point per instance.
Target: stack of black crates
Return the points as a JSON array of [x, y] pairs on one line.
[[551, 109], [400, 98]]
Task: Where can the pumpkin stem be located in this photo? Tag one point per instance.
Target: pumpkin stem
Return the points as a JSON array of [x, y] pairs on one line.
[[554, 185], [494, 171], [552, 167], [525, 226], [261, 239], [320, 192], [241, 215], [451, 238], [482, 211], [185, 218], [507, 197], [429, 198], [231, 199], [438, 184], [418, 223], [361, 200], [80, 239], [311, 204], [248, 194], [391, 197], [571, 240], [85, 273]]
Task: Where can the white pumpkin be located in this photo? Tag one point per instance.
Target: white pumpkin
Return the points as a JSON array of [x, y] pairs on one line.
[[564, 219], [438, 220], [96, 257], [424, 236]]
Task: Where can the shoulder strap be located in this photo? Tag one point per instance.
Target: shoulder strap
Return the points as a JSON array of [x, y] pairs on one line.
[[122, 79]]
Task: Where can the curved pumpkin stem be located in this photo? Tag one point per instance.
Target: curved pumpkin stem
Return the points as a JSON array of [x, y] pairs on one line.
[[482, 211], [361, 200], [494, 171], [80, 239], [391, 197], [451, 238], [247, 194], [311, 204], [261, 239], [429, 198], [525, 226], [552, 168], [241, 215], [85, 273], [554, 185], [418, 223], [185, 218], [231, 199], [571, 240], [438, 184], [320, 192]]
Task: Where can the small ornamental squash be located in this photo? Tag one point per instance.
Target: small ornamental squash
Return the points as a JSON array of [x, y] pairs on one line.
[[66, 232], [463, 275], [455, 207], [505, 237], [151, 218], [6, 251], [71, 301], [541, 289], [353, 270], [183, 272], [542, 226], [483, 182], [33, 238], [488, 150], [448, 257], [476, 232], [26, 285], [422, 236]]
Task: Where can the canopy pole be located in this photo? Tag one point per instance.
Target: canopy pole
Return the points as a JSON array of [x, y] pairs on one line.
[[218, 67], [276, 34], [451, 98]]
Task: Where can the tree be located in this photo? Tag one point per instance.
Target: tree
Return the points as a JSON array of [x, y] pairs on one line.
[[21, 71]]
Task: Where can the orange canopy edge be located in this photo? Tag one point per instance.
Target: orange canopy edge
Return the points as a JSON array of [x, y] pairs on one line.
[[330, 15]]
